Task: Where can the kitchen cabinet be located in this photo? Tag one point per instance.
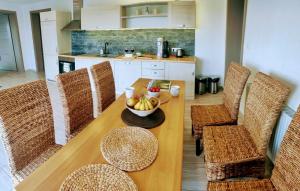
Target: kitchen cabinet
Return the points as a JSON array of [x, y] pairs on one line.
[[49, 44], [51, 67], [54, 40], [153, 70], [126, 73], [88, 63], [185, 72], [182, 14], [96, 18]]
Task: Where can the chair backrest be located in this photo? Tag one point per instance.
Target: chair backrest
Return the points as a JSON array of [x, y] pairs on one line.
[[104, 83], [263, 107], [235, 82], [26, 123], [285, 174], [76, 94]]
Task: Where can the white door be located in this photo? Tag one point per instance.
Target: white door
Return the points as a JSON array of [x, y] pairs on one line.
[[49, 37], [51, 67], [126, 73], [7, 54], [186, 72]]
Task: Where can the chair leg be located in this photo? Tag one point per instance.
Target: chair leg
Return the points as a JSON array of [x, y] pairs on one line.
[[199, 147], [193, 131]]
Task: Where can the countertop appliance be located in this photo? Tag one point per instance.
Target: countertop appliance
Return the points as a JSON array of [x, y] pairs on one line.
[[159, 47], [179, 53], [66, 64], [166, 52]]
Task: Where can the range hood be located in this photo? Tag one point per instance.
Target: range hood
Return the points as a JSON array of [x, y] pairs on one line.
[[75, 24]]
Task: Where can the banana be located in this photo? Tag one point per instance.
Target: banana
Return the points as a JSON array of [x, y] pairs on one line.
[[146, 104], [142, 107], [137, 106], [149, 104]]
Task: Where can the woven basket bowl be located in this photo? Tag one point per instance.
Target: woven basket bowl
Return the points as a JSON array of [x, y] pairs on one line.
[[100, 177], [146, 112], [129, 148]]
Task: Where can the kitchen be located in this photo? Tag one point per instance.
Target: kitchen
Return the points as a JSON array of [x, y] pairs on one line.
[[129, 40], [134, 89]]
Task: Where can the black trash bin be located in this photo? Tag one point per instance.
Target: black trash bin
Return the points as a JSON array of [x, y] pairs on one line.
[[201, 84], [213, 84]]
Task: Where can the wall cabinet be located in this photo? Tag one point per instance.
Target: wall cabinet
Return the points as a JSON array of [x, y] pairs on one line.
[[140, 15], [126, 73], [182, 14], [185, 72], [97, 18]]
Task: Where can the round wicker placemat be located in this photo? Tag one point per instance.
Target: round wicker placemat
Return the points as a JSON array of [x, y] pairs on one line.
[[164, 97], [102, 177], [148, 122], [129, 148]]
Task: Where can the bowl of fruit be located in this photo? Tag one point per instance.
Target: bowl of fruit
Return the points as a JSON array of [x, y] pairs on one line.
[[142, 106], [153, 91]]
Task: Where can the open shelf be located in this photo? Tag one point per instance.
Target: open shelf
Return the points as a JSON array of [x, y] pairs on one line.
[[142, 16]]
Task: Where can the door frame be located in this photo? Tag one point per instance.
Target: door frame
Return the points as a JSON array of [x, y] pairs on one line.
[[38, 67], [13, 20]]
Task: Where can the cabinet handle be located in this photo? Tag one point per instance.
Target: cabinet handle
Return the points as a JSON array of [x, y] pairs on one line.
[[154, 65], [193, 73], [155, 72]]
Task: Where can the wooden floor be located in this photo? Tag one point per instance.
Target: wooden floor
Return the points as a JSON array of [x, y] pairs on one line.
[[194, 177], [10, 79]]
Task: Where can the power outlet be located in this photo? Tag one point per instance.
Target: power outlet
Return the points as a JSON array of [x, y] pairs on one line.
[[174, 50]]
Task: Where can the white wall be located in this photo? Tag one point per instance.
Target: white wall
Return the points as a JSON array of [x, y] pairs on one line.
[[210, 37], [24, 22], [272, 41]]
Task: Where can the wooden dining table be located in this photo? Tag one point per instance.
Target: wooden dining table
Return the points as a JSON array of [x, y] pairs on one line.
[[164, 174]]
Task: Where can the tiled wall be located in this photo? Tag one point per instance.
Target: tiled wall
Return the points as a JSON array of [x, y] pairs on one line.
[[142, 40]]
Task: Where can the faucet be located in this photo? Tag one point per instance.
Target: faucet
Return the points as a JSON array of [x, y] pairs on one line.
[[105, 47]]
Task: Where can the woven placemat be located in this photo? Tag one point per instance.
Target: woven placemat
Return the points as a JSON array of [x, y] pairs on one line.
[[100, 177], [148, 122], [129, 148], [164, 97]]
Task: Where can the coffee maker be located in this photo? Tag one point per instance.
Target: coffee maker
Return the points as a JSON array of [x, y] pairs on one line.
[[165, 51]]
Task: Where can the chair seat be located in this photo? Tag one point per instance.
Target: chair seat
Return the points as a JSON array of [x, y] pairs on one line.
[[247, 185], [236, 153], [22, 174], [208, 115]]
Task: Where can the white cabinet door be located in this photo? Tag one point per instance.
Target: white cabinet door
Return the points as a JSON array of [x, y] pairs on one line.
[[51, 67], [183, 71], [182, 14], [126, 73], [49, 38], [88, 63], [48, 16], [101, 18]]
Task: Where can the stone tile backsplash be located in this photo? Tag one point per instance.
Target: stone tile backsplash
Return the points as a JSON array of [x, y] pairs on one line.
[[142, 40]]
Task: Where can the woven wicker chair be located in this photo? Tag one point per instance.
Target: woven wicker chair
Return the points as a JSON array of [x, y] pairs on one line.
[[26, 127], [233, 151], [285, 173], [75, 92], [224, 114], [105, 84]]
